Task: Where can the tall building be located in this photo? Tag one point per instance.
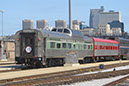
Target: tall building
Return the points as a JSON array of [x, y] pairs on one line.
[[104, 30], [41, 24], [82, 25], [99, 16], [60, 23], [117, 24], [27, 24], [106, 17], [94, 17], [76, 23]]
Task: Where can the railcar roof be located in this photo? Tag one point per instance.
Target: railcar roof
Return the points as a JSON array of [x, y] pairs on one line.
[[47, 33], [88, 39], [105, 40], [124, 39]]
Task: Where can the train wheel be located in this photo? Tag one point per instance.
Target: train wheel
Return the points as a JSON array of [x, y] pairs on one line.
[[113, 58], [39, 65], [96, 59]]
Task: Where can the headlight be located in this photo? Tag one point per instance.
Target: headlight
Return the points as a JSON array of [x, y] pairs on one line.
[[28, 49]]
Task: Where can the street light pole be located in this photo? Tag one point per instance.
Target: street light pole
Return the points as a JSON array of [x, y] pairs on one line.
[[2, 44], [2, 11]]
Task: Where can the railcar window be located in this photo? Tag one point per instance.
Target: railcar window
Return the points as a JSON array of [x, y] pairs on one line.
[[96, 47], [52, 44], [91, 46], [54, 30], [63, 45], [69, 45], [60, 30], [58, 45], [66, 31], [74, 46], [88, 46], [79, 47], [84, 46]]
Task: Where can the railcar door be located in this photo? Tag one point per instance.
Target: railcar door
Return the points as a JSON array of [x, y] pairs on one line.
[[27, 45]]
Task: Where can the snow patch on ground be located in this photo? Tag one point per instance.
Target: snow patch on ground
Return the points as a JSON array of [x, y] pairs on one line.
[[107, 70], [98, 82]]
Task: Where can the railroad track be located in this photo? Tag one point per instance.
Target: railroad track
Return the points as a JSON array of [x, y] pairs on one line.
[[66, 77], [16, 69], [117, 82]]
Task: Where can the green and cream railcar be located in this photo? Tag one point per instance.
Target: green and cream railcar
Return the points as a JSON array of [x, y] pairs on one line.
[[42, 47]]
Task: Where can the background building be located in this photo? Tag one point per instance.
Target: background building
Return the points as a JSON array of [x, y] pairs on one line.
[[60, 23], [76, 23], [82, 25], [76, 27], [117, 24], [99, 16], [116, 32], [88, 32], [104, 30], [27, 24], [94, 17], [9, 47], [107, 17], [41, 24]]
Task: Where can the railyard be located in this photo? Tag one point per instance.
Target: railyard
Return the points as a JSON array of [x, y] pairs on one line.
[[62, 75]]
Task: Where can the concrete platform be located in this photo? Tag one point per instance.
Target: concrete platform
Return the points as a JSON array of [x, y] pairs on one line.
[[16, 74], [7, 62], [71, 65], [9, 67]]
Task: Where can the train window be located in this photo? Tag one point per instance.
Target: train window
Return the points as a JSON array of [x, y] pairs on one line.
[[58, 45], [79, 47], [84, 46], [60, 30], [91, 47], [63, 45], [52, 45], [74, 46], [66, 31], [96, 47], [69, 45], [54, 30], [88, 46]]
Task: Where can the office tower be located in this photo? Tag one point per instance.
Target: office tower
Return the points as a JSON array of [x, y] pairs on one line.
[[41, 24], [94, 17], [99, 16], [27, 24], [107, 17], [60, 23]]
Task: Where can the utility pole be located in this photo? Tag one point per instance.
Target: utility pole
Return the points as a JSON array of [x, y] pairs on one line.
[[70, 14]]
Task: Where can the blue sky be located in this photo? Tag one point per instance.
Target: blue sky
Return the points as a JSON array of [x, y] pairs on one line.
[[51, 10]]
